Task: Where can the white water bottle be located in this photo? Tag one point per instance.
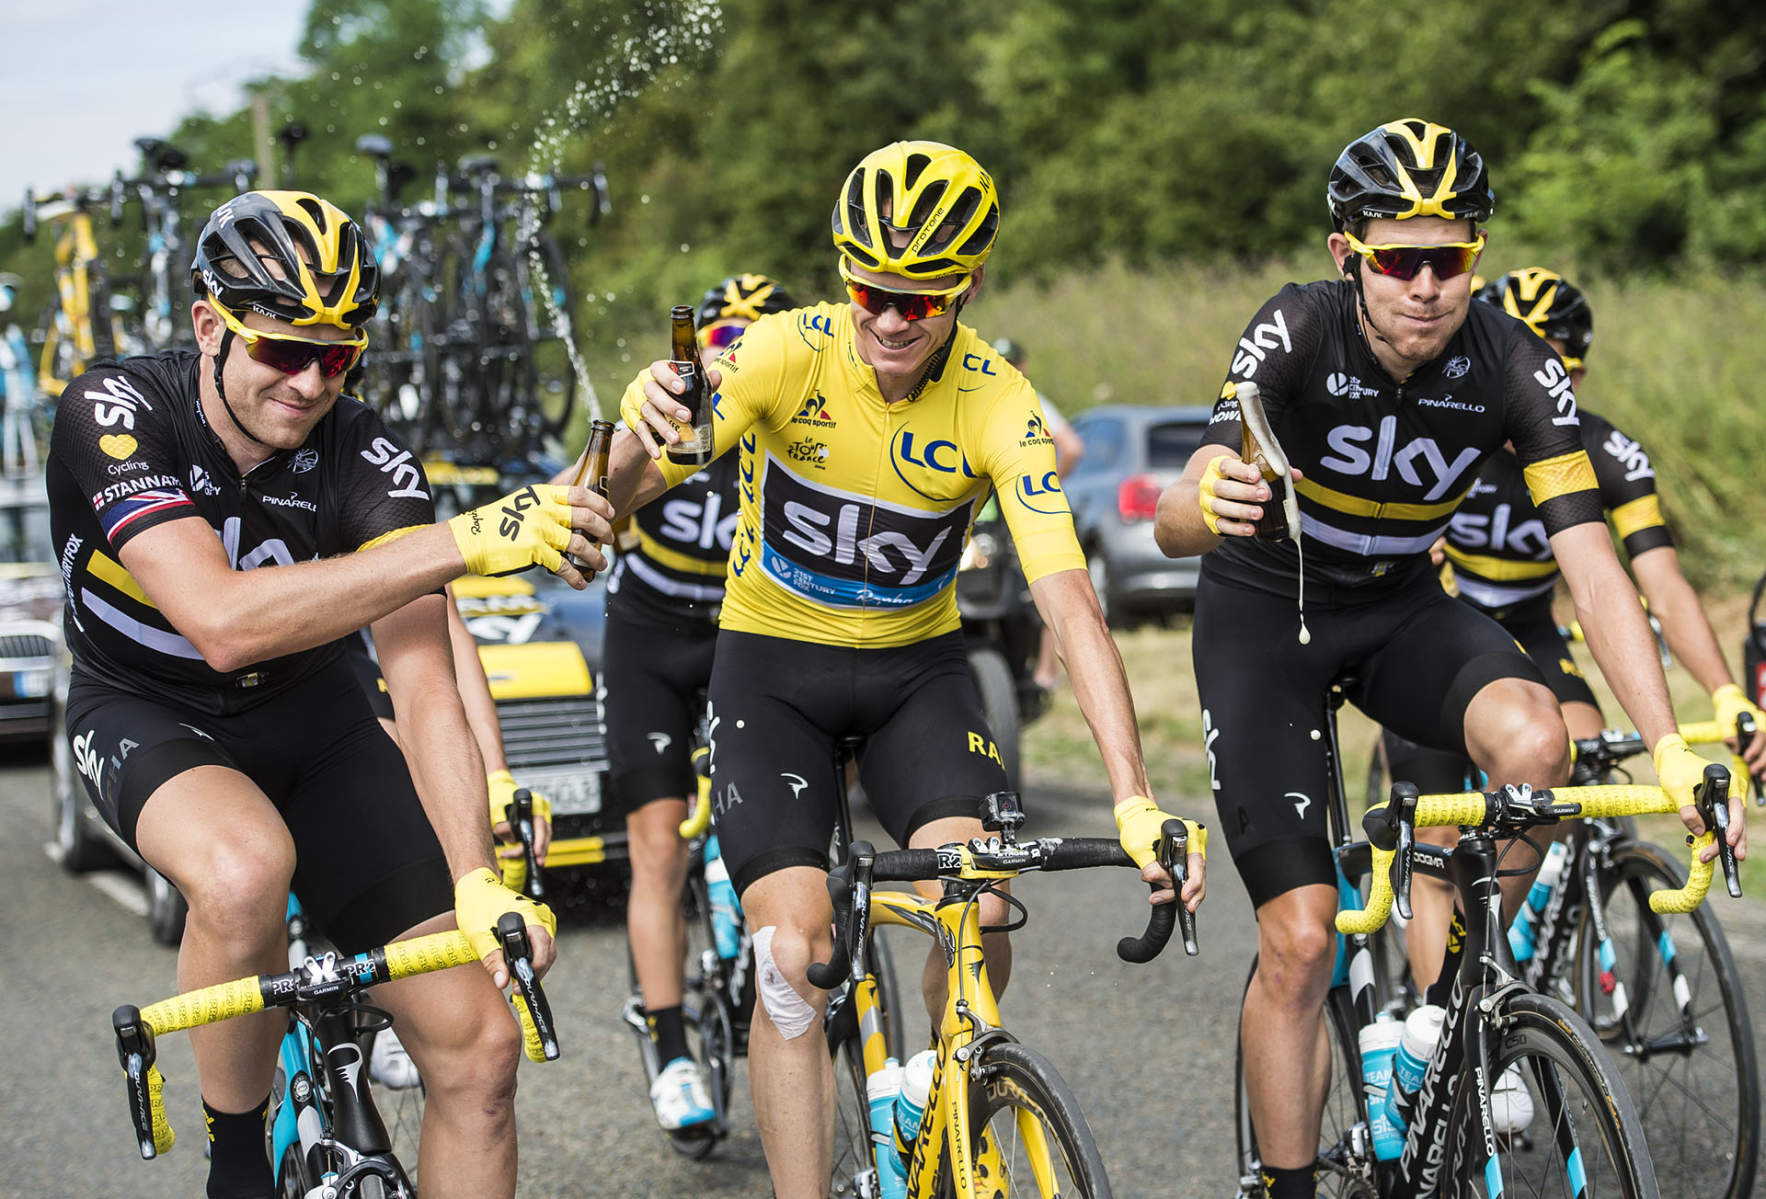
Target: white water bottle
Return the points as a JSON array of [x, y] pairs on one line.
[[1422, 1032], [910, 1105], [1521, 932], [1379, 1043], [881, 1090], [726, 912]]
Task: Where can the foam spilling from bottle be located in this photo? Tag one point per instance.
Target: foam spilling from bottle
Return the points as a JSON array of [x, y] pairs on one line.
[[1291, 508]]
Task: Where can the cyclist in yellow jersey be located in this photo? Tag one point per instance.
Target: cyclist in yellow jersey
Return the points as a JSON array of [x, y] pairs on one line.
[[871, 434]]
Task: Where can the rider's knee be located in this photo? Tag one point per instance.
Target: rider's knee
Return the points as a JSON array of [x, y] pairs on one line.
[[1521, 739], [655, 843], [782, 954], [242, 884], [1295, 957], [475, 1060]]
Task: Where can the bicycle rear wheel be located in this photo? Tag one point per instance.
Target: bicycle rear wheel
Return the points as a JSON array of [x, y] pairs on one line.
[[1028, 1136], [1668, 1005], [551, 334], [1575, 1133], [1345, 1154]]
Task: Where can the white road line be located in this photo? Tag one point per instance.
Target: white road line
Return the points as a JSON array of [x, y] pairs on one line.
[[122, 887]]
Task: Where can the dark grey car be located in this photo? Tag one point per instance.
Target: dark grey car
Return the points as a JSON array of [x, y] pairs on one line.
[[1132, 453]]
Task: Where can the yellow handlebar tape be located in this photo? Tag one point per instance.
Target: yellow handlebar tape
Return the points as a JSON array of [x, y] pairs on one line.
[[530, 1035], [424, 955], [163, 1136], [223, 1001], [1379, 902], [1469, 808]]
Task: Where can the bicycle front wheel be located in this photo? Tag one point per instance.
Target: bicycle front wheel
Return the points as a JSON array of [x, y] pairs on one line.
[[1027, 1135], [1565, 1125], [1664, 995]]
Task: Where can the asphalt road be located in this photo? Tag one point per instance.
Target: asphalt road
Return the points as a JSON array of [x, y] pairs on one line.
[[1148, 1050]]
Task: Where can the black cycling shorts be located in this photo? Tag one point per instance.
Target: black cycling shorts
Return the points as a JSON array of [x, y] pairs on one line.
[[652, 692], [778, 707], [1533, 625], [1418, 655], [367, 863]]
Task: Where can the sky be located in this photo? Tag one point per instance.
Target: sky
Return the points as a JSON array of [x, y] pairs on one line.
[[80, 80]]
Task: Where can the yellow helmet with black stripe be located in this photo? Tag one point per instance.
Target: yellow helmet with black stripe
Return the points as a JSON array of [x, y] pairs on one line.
[[1409, 168], [918, 209], [289, 255], [1548, 303], [743, 297]]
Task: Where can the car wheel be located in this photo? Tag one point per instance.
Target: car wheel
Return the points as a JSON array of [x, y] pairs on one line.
[[165, 908], [1098, 567], [81, 848], [999, 704]]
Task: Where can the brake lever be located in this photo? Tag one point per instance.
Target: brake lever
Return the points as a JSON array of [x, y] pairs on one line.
[[1401, 863], [136, 1052], [1712, 801], [1745, 728], [519, 814], [518, 956], [1174, 855]]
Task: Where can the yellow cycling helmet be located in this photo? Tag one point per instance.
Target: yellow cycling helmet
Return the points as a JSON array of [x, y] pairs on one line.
[[288, 255], [1409, 168], [1548, 303], [917, 209]]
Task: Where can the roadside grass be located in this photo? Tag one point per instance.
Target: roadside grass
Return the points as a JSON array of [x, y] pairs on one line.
[[1059, 748]]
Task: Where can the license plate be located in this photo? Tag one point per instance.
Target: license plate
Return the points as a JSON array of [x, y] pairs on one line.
[[573, 790]]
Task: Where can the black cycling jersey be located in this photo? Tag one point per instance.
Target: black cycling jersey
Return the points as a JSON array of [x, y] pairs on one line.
[[1386, 463], [1500, 547], [132, 449], [675, 574]]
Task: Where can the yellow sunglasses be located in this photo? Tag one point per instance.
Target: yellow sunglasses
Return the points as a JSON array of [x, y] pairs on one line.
[[292, 355], [1405, 261]]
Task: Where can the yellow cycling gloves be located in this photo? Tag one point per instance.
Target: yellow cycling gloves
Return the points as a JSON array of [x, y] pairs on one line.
[[526, 527], [480, 899], [1139, 823]]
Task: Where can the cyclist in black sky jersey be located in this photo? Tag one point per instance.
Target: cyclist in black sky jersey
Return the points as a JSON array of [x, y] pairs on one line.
[[224, 519], [1387, 389]]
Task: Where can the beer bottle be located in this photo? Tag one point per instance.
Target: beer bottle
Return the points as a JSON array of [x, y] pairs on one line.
[[1258, 447], [694, 447], [593, 472]]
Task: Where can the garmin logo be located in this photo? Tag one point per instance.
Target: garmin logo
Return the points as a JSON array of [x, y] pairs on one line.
[[1341, 386], [1447, 401]]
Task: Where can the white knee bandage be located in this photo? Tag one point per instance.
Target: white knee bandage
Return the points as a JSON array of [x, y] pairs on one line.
[[790, 1012]]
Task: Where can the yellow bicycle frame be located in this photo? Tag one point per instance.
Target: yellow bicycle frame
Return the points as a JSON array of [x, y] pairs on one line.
[[75, 250], [970, 1008]]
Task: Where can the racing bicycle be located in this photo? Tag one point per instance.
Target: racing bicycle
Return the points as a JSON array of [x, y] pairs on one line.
[[1000, 1121], [1568, 1127], [337, 1144]]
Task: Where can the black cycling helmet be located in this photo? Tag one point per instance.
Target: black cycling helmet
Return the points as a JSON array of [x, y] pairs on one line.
[[324, 270], [1550, 305], [1408, 168], [743, 298]]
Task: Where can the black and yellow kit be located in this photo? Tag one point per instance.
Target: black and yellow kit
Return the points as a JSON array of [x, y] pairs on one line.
[[131, 450], [1386, 463]]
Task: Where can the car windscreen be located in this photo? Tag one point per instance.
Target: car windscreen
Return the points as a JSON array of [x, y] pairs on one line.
[[1170, 446]]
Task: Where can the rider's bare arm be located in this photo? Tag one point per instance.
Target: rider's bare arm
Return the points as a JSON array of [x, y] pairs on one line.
[[1614, 622]]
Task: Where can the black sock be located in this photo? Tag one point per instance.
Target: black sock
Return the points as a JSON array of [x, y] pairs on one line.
[[1441, 990], [1301, 1183], [667, 1030], [239, 1165]]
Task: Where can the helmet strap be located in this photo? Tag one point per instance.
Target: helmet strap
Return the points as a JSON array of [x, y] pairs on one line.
[[221, 390], [1367, 319]]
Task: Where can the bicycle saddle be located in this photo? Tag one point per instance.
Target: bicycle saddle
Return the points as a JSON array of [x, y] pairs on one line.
[[478, 164], [374, 145]]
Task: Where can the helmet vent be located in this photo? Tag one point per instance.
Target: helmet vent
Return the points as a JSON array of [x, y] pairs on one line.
[[916, 166], [311, 206]]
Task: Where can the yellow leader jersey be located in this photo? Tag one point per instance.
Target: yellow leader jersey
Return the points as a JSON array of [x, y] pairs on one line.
[[854, 511]]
